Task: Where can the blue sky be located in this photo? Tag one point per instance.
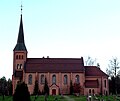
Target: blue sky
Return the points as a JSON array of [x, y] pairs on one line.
[[61, 28]]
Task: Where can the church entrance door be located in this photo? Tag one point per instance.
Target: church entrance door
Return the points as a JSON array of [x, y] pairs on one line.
[[53, 91]]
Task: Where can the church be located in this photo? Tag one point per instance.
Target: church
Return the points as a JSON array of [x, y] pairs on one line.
[[59, 72]]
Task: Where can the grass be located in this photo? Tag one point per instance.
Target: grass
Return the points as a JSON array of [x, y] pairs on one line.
[[49, 98], [110, 98], [59, 98], [105, 98], [7, 98], [78, 98], [39, 98]]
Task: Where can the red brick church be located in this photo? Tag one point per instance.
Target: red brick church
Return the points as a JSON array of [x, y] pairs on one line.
[[58, 72]]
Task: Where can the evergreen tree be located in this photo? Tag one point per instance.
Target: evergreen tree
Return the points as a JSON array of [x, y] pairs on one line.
[[9, 86], [46, 88], [71, 88], [21, 92], [3, 86], [76, 88], [36, 88]]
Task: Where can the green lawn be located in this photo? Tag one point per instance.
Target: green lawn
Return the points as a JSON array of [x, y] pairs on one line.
[[59, 98], [111, 98], [39, 98], [49, 98], [106, 98], [7, 98], [78, 98]]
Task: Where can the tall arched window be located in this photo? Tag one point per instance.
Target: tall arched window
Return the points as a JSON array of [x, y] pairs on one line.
[[54, 79], [65, 79], [30, 79], [42, 79], [77, 79], [105, 83], [93, 91], [18, 66], [90, 91]]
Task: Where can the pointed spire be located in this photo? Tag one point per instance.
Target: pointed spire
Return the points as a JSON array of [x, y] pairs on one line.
[[21, 32], [20, 46]]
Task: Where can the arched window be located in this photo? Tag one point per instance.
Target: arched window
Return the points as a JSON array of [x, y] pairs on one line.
[[90, 91], [65, 79], [77, 80], [105, 83], [16, 56], [30, 79], [54, 79], [42, 79], [93, 91], [18, 66]]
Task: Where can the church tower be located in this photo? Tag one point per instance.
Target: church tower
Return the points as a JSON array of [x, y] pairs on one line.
[[19, 57]]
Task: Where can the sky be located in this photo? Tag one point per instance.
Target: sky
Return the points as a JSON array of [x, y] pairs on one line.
[[60, 29]]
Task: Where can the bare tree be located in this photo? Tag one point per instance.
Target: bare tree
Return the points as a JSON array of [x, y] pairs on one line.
[[113, 69], [90, 61]]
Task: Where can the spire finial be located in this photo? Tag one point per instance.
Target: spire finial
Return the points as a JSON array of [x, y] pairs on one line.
[[21, 7]]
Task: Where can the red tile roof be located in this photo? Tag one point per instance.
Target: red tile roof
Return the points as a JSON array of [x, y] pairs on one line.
[[94, 71], [91, 84], [54, 65]]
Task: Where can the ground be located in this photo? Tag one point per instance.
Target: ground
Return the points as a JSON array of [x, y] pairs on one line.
[[63, 98]]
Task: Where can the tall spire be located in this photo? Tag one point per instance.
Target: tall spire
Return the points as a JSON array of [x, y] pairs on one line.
[[21, 32], [20, 46]]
